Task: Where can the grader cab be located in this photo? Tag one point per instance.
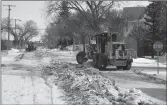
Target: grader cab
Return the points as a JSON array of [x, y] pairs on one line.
[[107, 51]]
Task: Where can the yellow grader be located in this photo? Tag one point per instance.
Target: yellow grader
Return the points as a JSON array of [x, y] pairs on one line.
[[104, 50]]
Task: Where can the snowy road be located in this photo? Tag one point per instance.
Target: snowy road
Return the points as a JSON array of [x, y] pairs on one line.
[[22, 84]]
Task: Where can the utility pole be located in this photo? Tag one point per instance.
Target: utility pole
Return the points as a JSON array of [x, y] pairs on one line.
[[9, 6]]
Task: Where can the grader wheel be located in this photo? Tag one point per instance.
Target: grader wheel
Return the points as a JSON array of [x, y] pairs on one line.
[[95, 60], [100, 61], [128, 65], [81, 57]]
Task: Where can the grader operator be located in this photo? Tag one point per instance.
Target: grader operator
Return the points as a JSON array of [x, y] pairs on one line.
[[106, 51]]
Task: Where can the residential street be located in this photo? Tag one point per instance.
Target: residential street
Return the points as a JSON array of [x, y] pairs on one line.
[[84, 52], [21, 80]]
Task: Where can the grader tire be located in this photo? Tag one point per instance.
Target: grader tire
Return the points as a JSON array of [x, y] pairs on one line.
[[95, 60], [128, 66], [81, 57], [102, 61]]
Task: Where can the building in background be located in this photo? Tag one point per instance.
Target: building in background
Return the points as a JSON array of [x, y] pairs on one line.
[[4, 40]]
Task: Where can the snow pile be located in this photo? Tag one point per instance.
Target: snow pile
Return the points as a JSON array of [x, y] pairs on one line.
[[14, 50], [85, 85], [18, 57], [13, 54], [75, 47], [53, 50], [70, 48], [16, 54], [143, 60], [44, 61], [41, 52]]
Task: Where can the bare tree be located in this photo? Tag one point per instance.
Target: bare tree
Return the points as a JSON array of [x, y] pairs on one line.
[[4, 24], [96, 10], [24, 32]]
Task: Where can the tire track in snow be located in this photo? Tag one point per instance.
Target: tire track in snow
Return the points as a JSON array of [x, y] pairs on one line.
[[45, 79], [51, 90], [34, 95], [33, 86]]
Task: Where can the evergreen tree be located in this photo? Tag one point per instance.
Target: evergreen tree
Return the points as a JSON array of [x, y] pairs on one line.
[[163, 19], [153, 21]]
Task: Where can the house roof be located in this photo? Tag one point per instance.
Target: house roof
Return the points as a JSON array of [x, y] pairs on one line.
[[133, 13]]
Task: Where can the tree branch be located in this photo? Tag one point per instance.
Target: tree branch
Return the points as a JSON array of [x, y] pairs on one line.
[[110, 5], [82, 11]]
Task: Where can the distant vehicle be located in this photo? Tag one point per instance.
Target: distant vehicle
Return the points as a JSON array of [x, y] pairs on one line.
[[105, 50], [30, 46]]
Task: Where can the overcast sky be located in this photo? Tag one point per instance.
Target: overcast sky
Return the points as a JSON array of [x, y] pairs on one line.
[[34, 10]]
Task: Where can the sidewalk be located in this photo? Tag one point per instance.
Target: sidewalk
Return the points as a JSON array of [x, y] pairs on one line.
[[23, 90], [23, 85]]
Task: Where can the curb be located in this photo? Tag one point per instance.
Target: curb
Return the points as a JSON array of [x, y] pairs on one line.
[[152, 77]]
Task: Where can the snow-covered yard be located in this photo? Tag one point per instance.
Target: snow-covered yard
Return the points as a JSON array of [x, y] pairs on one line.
[[143, 62]]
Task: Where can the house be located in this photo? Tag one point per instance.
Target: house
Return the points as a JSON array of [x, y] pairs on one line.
[[4, 40]]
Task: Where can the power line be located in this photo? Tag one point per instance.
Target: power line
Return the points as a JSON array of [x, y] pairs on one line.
[[9, 6]]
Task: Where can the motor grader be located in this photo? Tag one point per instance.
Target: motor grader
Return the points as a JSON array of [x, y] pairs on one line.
[[30, 47], [106, 50]]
